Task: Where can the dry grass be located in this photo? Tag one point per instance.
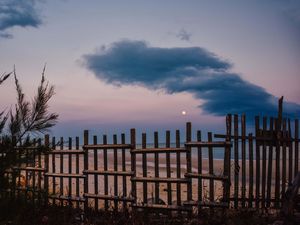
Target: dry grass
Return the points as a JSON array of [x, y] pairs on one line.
[[20, 212]]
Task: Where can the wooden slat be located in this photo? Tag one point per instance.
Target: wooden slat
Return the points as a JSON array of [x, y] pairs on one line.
[[95, 140], [236, 160], [108, 197], [157, 150], [108, 146], [28, 189], [115, 169], [160, 180], [70, 167], [259, 138], [33, 148], [270, 166], [40, 166], [211, 169], [124, 168], [206, 176], [66, 198], [144, 155], [46, 183], [227, 160], [284, 145], [156, 169], [53, 169], [66, 152], [66, 175], [207, 144], [189, 159], [178, 169], [251, 170], [277, 165], [77, 169], [257, 160], [162, 207], [86, 167], [199, 149], [264, 165], [29, 168], [243, 131], [105, 168], [168, 167], [61, 162], [208, 204], [296, 161], [290, 152], [133, 163]]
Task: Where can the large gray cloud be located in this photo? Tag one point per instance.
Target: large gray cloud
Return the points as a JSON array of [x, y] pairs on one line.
[[193, 70], [22, 13]]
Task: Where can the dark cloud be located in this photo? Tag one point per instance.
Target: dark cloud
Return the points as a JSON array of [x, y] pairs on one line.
[[193, 70], [184, 35], [21, 13]]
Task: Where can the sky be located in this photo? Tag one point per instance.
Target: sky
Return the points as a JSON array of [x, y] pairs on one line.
[[136, 63]]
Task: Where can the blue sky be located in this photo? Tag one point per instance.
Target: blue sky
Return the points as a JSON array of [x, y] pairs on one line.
[[123, 64]]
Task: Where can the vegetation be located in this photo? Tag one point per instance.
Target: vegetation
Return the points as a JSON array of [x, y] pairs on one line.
[[19, 212], [24, 120]]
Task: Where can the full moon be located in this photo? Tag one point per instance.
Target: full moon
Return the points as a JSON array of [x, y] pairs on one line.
[[183, 113]]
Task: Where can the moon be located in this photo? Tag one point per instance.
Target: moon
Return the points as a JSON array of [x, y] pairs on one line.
[[183, 112]]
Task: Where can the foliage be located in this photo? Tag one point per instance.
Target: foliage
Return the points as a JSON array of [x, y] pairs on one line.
[[32, 117], [3, 117], [24, 120]]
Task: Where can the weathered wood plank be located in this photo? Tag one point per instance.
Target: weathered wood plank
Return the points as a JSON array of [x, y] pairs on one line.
[[133, 163], [145, 186], [124, 169], [86, 166], [270, 164], [157, 150], [189, 159], [178, 169], [199, 149], [296, 161], [264, 165], [108, 146], [236, 160], [277, 165], [211, 169], [257, 156], [207, 144], [284, 145], [105, 167], [168, 167], [95, 140], [243, 131], [251, 171], [156, 169]]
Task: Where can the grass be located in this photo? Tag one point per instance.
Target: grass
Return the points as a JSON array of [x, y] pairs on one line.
[[23, 213]]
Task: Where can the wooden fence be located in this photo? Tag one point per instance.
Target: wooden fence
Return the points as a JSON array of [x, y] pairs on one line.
[[254, 171]]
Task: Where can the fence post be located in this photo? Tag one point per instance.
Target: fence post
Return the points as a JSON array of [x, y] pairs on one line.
[[236, 160], [86, 166], [257, 160], [243, 128], [189, 160], [133, 167], [296, 147], [46, 183], [227, 161]]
